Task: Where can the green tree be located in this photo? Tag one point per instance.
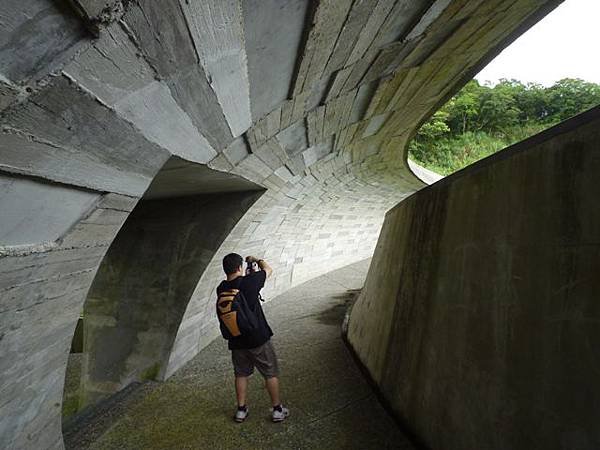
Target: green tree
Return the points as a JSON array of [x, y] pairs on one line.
[[463, 109], [532, 101], [499, 110], [570, 96], [435, 127], [482, 119], [431, 131]]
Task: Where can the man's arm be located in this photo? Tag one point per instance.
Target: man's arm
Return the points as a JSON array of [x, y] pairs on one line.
[[261, 263]]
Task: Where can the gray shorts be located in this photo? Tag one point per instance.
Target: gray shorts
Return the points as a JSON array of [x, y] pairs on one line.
[[263, 358]]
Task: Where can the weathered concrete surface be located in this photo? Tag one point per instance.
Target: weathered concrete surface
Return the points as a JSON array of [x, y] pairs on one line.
[[99, 10], [116, 73], [217, 30], [42, 290], [65, 135], [144, 283], [170, 50], [274, 30], [332, 407], [479, 314], [71, 391], [179, 178], [25, 202], [8, 94], [105, 112], [25, 53]]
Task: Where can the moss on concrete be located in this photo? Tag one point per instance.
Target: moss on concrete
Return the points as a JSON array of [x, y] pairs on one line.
[[70, 406], [151, 373], [71, 393]]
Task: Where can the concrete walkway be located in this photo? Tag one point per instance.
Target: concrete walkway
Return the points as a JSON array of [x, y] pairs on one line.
[[332, 406]]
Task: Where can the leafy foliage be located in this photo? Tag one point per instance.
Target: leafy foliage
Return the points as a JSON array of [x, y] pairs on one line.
[[482, 119]]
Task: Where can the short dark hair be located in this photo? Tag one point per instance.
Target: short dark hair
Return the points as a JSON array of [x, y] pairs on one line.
[[232, 262]]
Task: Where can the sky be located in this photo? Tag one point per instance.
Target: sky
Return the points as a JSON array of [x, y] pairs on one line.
[[562, 45]]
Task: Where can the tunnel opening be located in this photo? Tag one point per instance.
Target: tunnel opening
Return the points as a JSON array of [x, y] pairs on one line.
[[143, 285], [536, 82]]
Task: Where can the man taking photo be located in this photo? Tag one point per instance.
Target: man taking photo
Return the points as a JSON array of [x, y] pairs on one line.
[[254, 348]]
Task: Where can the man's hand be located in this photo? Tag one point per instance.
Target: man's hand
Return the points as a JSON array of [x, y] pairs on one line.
[[261, 263]]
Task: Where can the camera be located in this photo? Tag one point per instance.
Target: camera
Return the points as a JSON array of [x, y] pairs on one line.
[[252, 267]]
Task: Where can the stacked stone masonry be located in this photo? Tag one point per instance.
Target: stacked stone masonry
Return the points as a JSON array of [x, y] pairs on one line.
[[309, 102]]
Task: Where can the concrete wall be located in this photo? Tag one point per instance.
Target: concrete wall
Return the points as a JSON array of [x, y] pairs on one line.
[[144, 284], [38, 212], [42, 289], [479, 318]]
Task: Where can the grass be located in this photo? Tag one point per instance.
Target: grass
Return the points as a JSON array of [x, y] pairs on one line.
[[449, 154]]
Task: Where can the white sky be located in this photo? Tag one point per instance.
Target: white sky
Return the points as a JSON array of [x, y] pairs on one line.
[[562, 45]]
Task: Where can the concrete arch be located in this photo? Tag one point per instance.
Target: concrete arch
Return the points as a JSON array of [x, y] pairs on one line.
[[43, 289], [145, 281]]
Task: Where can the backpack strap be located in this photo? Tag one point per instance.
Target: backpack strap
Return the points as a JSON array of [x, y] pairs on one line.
[[225, 299]]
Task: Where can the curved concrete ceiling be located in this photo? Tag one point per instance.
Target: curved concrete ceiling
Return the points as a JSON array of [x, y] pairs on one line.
[[179, 178], [297, 80]]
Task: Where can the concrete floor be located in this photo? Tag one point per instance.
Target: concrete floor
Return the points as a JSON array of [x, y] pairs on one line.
[[332, 406]]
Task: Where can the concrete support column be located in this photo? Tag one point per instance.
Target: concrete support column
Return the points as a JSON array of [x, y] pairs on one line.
[[144, 284], [42, 290]]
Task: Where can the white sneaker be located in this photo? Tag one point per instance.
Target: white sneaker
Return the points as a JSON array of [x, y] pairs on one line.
[[241, 414], [280, 416]]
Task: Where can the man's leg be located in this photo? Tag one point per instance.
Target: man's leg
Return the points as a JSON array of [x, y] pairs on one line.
[[241, 388], [272, 385], [279, 412], [266, 362], [242, 368]]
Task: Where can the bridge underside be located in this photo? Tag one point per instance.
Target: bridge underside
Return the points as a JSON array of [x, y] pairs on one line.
[[271, 127]]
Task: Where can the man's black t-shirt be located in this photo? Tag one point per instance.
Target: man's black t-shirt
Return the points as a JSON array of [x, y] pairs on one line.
[[250, 286]]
